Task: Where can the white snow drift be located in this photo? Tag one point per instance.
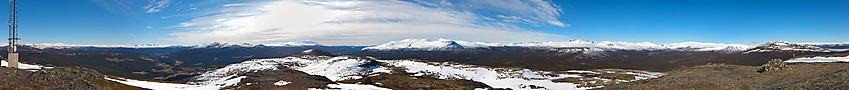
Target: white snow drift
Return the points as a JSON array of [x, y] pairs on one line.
[[819, 59], [3, 63], [172, 86]]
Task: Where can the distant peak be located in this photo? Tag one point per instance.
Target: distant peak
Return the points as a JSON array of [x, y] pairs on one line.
[[424, 44], [780, 43], [308, 51], [784, 46], [311, 52], [582, 41]]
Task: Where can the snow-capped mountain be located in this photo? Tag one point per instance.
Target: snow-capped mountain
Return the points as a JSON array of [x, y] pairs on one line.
[[828, 45], [838, 47], [784, 46], [230, 45], [424, 44], [348, 68], [698, 46], [225, 45], [208, 45], [62, 45], [445, 44]]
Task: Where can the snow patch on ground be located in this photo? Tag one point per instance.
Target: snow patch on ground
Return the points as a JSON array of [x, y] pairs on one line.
[[3, 63], [514, 78], [819, 59], [353, 87], [334, 68], [337, 68], [174, 86], [281, 83], [838, 50]]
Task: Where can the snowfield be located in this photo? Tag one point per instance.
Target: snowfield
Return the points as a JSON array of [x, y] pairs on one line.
[[495, 77], [169, 86], [334, 68], [819, 59], [838, 50], [350, 67]]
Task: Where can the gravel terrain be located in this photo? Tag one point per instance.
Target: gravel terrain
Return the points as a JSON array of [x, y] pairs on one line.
[[58, 78]]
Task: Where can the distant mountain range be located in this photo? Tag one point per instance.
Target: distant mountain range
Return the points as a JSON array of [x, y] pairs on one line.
[[208, 45], [844, 45], [157, 61], [445, 44], [582, 54]]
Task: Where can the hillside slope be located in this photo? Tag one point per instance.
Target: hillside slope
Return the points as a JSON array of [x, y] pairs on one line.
[[801, 76], [312, 70], [34, 77]]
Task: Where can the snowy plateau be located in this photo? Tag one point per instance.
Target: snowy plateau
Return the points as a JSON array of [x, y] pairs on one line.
[[351, 67]]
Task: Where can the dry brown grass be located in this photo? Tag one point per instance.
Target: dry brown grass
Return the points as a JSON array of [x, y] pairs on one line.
[[804, 76]]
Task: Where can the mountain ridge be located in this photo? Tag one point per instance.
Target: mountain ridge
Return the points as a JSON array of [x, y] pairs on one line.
[[784, 46], [446, 44]]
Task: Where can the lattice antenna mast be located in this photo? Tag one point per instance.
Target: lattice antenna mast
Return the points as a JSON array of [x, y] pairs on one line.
[[13, 34], [13, 26]]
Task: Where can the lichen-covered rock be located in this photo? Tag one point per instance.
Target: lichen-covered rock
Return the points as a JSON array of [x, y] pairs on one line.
[[773, 65], [58, 78]]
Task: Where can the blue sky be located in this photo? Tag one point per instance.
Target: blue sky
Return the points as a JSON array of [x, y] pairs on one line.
[[374, 22]]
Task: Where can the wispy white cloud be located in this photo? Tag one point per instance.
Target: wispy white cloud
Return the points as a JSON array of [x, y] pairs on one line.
[[116, 6], [156, 5], [368, 22], [535, 12]]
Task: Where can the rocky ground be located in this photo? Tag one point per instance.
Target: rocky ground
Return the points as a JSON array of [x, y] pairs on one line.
[[794, 76], [406, 82], [58, 78], [264, 80]]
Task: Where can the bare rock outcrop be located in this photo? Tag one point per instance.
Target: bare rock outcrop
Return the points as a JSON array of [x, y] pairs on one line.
[[773, 65]]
